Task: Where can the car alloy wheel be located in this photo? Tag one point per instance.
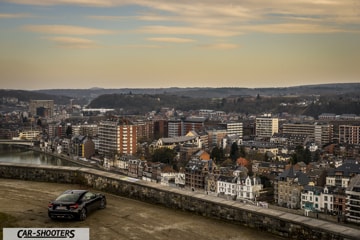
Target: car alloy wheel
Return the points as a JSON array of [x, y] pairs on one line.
[[102, 203], [82, 215]]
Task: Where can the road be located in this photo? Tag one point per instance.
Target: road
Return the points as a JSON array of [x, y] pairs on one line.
[[122, 219]]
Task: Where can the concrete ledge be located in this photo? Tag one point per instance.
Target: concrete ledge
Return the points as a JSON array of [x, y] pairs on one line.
[[270, 220]]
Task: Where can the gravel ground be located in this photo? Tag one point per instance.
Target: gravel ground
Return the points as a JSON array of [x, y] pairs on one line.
[[122, 219]]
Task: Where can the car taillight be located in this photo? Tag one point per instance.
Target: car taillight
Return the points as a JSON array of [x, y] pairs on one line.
[[50, 205], [75, 206]]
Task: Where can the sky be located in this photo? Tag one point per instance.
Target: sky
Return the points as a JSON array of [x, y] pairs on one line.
[[47, 44]]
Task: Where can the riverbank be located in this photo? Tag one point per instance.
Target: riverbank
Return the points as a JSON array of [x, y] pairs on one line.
[[68, 158]]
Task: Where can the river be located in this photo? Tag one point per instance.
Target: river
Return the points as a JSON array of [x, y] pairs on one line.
[[24, 155], [218, 229]]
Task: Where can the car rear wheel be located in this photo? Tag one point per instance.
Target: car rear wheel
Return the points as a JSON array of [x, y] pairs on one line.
[[83, 214], [103, 203]]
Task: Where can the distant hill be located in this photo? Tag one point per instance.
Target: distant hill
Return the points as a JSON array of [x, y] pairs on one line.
[[324, 98], [299, 105], [206, 92], [26, 96]]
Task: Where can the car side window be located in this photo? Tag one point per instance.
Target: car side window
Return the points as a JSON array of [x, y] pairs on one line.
[[88, 196]]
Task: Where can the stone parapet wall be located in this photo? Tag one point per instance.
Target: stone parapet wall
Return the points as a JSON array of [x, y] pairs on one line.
[[269, 220]]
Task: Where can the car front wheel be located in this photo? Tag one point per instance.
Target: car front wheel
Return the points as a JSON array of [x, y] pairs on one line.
[[82, 215]]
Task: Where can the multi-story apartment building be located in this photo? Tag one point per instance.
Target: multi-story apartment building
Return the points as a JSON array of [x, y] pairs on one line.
[[239, 186], [42, 108], [145, 129], [82, 146], [299, 133], [266, 126], [320, 134], [323, 134], [234, 128], [135, 168], [227, 185], [118, 136], [196, 171], [353, 200], [160, 128], [29, 134], [174, 128], [215, 136], [288, 186], [315, 198], [90, 130], [249, 189], [299, 129], [349, 134], [341, 176], [193, 124]]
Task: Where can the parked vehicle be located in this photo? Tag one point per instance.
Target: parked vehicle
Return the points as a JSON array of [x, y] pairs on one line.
[[76, 204]]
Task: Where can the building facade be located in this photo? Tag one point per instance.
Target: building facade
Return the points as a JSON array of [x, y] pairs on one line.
[[117, 137], [266, 126], [349, 134], [42, 108], [353, 200]]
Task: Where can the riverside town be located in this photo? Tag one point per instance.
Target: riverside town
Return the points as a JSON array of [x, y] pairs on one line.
[[291, 162]]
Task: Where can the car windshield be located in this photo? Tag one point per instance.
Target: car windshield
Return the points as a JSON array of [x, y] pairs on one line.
[[68, 197]]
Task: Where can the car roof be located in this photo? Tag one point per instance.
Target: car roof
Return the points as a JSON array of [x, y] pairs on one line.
[[75, 192]]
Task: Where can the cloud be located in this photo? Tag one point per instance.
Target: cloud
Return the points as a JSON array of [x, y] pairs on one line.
[[176, 30], [111, 18], [219, 46], [136, 46], [220, 19], [15, 15], [93, 3], [171, 40], [71, 42], [294, 28], [66, 30]]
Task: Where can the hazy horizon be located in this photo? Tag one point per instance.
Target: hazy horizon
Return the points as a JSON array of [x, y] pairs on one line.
[[94, 88], [81, 44]]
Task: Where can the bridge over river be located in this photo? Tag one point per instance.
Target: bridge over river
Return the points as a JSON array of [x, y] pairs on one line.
[[17, 142]]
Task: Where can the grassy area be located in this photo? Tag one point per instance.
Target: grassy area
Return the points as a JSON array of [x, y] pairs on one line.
[[6, 221]]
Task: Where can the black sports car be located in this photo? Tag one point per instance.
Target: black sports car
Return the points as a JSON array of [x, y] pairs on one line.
[[76, 204]]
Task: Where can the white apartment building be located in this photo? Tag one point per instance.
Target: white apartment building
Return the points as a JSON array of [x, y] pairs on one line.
[[250, 189], [234, 128], [227, 186], [266, 126], [315, 198], [243, 188], [28, 135]]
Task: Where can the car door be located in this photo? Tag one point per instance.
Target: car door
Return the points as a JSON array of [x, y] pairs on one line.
[[90, 201]]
